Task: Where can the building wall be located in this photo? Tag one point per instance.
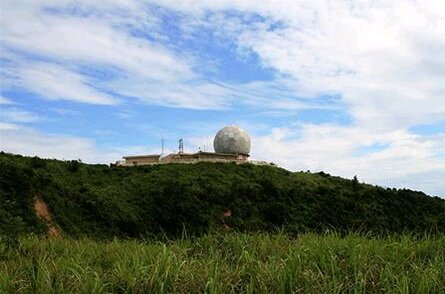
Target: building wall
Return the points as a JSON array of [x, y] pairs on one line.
[[140, 160], [183, 158]]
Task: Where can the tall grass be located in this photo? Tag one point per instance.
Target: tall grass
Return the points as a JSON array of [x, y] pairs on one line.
[[227, 263]]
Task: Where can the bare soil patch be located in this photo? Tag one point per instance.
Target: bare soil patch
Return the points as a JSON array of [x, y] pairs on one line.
[[42, 212]]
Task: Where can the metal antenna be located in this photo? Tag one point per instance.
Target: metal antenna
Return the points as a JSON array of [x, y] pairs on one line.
[[162, 143], [181, 145]]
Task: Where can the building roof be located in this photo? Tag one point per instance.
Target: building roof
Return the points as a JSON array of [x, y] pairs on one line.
[[151, 156], [142, 156]]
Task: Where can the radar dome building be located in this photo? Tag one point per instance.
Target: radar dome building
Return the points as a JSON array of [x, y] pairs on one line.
[[233, 140], [231, 144]]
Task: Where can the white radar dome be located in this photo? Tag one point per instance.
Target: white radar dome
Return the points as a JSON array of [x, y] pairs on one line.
[[232, 139]]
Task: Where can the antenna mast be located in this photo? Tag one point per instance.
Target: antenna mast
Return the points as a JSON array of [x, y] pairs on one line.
[[162, 144], [181, 145]]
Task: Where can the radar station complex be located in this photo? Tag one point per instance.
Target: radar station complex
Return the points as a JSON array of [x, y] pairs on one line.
[[231, 144]]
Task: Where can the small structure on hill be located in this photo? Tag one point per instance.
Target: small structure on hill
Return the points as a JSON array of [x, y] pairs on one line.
[[231, 144]]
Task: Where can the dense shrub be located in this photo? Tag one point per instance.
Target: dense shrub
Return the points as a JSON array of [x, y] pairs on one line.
[[103, 201]]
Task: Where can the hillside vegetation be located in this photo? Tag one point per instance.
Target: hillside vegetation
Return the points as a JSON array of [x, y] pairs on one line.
[[167, 200]]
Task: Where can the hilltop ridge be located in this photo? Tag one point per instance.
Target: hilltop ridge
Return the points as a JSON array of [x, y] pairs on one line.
[[102, 201]]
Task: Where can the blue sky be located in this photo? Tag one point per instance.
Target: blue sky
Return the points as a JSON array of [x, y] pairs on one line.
[[348, 87]]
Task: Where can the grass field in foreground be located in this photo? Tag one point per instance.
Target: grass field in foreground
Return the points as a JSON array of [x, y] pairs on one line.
[[226, 263]]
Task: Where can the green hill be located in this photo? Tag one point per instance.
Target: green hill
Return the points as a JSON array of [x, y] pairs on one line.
[[103, 202]]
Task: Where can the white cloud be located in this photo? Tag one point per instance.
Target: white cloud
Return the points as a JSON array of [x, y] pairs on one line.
[[384, 58], [89, 40], [385, 61], [77, 41], [15, 115], [5, 101], [27, 141], [407, 160], [104, 36], [18, 139], [55, 82], [64, 111], [8, 127], [194, 94]]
